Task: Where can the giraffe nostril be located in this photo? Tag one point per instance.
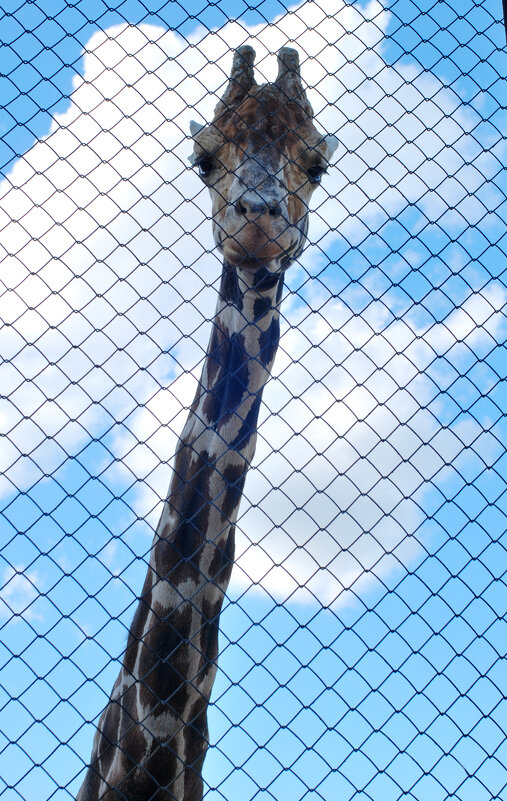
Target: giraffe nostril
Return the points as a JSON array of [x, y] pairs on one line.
[[256, 207]]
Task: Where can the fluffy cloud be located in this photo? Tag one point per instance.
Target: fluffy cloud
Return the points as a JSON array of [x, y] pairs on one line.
[[109, 274], [351, 446], [19, 592]]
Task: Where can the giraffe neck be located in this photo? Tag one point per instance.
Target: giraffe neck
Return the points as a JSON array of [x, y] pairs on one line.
[[218, 440], [152, 737]]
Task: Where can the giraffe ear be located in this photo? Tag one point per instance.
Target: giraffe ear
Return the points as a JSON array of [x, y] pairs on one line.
[[332, 143], [289, 78], [195, 127], [242, 77]]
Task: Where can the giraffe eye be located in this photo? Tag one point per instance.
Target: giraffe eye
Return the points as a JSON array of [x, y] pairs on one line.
[[205, 165], [315, 173]]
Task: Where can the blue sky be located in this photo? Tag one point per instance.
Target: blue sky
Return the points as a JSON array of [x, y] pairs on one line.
[[384, 679]]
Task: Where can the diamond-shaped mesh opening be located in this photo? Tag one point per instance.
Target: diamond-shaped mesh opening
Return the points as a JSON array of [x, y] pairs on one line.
[[362, 637]]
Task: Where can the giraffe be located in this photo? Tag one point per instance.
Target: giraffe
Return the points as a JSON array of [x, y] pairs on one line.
[[261, 158]]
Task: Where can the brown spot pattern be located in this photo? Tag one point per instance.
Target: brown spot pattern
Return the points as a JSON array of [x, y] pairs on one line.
[[172, 647]]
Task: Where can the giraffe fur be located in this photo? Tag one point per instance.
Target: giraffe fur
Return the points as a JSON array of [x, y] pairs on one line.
[[261, 158]]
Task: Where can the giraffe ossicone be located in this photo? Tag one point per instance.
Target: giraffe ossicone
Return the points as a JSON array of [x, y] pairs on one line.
[[261, 158]]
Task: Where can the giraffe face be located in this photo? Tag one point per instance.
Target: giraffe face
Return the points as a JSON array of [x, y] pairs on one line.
[[261, 158]]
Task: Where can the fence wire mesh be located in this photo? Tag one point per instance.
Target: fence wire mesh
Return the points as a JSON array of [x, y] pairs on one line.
[[363, 639]]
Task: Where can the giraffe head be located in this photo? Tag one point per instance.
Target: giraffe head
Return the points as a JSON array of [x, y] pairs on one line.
[[261, 158]]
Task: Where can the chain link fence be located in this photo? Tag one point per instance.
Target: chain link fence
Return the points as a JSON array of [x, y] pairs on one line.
[[363, 639]]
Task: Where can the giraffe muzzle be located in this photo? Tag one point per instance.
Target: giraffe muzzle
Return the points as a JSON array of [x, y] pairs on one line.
[[256, 224]]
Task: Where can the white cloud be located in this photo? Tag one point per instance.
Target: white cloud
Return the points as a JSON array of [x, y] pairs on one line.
[[18, 593], [350, 447], [108, 279]]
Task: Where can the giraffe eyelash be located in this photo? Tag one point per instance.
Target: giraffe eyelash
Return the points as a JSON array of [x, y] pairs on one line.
[[205, 164]]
